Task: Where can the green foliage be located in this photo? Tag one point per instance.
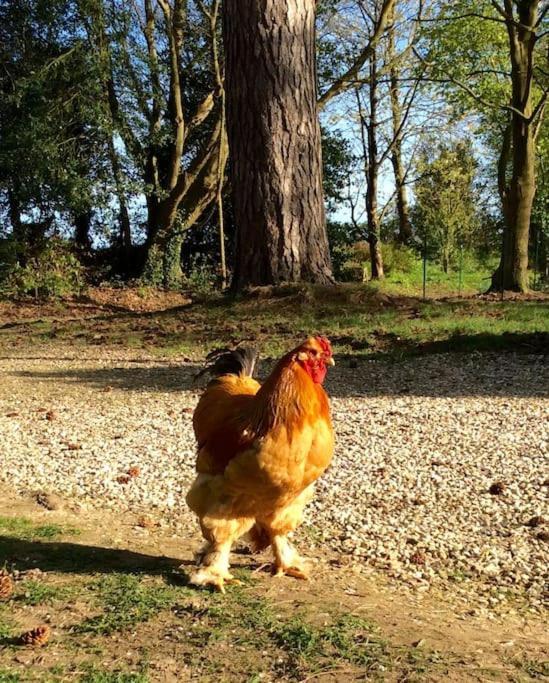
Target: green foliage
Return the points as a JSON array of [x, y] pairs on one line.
[[337, 160], [9, 676], [341, 237], [202, 278], [53, 272], [445, 212], [398, 258], [8, 258], [50, 112]]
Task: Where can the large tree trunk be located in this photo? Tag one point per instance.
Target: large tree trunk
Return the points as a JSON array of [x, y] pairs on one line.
[[512, 272], [274, 141]]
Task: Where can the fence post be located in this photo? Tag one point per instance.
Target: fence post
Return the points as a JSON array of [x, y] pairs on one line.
[[425, 265], [460, 268]]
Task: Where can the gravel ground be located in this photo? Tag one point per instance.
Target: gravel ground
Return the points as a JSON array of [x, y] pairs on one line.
[[419, 445]]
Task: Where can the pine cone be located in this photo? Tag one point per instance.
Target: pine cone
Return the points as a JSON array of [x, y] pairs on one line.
[[497, 488], [418, 558], [6, 587], [37, 637]]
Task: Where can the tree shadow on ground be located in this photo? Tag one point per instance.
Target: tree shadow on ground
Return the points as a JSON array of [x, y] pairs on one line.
[[429, 370], [75, 558]]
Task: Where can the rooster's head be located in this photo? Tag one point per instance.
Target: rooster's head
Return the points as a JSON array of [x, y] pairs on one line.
[[314, 355]]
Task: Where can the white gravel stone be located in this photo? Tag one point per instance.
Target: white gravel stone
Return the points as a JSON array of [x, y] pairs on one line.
[[419, 443]]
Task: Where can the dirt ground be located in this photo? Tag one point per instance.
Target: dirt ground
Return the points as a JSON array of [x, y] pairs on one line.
[[111, 583], [198, 635]]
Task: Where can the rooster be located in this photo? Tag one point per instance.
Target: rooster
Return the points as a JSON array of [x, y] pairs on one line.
[[260, 450]]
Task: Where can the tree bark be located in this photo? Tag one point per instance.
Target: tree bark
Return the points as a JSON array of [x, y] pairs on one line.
[[368, 130], [403, 211], [376, 259], [274, 140], [18, 227], [82, 221], [518, 197]]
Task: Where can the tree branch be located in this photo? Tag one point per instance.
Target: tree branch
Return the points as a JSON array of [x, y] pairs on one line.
[[471, 92], [345, 81]]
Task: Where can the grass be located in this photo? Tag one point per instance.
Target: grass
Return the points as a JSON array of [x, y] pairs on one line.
[[303, 644], [126, 600], [362, 320], [6, 628], [533, 668], [95, 675], [26, 530], [240, 636], [38, 593]]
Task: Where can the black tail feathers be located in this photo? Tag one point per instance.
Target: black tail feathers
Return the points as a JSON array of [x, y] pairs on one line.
[[226, 362]]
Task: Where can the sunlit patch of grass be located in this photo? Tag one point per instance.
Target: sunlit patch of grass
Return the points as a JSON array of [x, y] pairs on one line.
[[7, 676], [381, 319], [92, 674], [39, 593], [307, 646], [6, 628], [127, 600], [534, 668], [26, 530]]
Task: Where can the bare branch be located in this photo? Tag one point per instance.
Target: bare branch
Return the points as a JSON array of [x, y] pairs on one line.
[[501, 11], [466, 15], [202, 111], [345, 81], [485, 103]]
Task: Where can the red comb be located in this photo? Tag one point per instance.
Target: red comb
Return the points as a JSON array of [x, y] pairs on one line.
[[325, 344]]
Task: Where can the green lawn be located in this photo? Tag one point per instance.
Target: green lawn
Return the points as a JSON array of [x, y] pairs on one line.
[[359, 319]]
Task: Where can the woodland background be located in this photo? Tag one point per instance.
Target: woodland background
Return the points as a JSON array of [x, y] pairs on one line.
[[115, 163]]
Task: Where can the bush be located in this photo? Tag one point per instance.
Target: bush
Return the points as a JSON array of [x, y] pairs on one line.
[[53, 272], [398, 258], [355, 260], [202, 278]]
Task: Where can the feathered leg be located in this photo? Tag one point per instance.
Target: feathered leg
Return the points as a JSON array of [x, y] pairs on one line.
[[278, 526], [220, 534]]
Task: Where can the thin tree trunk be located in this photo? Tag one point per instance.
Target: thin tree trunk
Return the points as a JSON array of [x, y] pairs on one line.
[[82, 222], [376, 259], [403, 211], [274, 138], [18, 227], [368, 129], [125, 234]]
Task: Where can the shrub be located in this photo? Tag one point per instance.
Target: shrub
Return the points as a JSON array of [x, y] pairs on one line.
[[398, 258], [53, 272]]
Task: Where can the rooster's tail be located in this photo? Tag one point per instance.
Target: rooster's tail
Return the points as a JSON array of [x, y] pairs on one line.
[[226, 362]]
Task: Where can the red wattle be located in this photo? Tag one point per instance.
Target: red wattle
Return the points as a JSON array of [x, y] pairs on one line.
[[316, 371]]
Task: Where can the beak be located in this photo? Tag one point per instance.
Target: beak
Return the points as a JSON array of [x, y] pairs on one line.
[[330, 361]]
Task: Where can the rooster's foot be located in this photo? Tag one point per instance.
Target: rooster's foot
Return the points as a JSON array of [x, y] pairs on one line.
[[296, 569], [211, 577]]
